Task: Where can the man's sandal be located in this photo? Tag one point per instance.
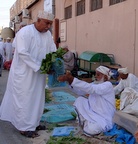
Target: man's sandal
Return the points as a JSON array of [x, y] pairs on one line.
[[29, 134], [40, 127]]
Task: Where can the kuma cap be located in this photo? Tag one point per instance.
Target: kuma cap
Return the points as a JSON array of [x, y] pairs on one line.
[[104, 70], [123, 70], [46, 15]]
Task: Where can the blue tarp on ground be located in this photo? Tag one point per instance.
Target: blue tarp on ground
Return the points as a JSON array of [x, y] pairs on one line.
[[61, 111], [58, 113], [61, 96], [59, 106], [63, 131], [122, 135]]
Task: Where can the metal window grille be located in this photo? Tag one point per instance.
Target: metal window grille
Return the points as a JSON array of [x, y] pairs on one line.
[[80, 7], [112, 2], [68, 12], [96, 4]]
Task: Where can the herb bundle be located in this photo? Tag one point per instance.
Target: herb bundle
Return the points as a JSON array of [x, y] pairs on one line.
[[49, 59]]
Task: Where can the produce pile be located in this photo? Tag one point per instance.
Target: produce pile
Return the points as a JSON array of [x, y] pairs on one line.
[[117, 104], [50, 58], [68, 140]]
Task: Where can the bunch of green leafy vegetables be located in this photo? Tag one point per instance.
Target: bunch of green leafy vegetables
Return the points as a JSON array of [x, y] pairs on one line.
[[50, 58], [48, 96], [67, 140]]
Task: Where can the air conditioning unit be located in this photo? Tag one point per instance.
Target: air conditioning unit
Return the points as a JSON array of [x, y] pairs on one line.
[[25, 13], [11, 24], [17, 19]]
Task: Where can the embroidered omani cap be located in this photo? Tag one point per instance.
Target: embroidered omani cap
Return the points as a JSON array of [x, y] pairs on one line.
[[104, 70], [46, 15], [123, 70]]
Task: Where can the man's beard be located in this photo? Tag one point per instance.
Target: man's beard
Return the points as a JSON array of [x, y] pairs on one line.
[[99, 81]]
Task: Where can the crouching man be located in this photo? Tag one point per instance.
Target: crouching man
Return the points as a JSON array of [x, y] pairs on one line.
[[95, 112]]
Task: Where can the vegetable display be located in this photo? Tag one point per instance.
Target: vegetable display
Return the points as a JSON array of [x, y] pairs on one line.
[[50, 58]]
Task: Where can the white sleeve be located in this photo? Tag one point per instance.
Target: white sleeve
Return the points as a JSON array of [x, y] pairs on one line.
[[119, 87], [132, 80], [22, 46], [53, 47], [90, 88]]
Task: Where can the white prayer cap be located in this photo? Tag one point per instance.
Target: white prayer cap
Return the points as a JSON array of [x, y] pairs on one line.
[[123, 70], [104, 70], [23, 23], [8, 38], [46, 15], [64, 46]]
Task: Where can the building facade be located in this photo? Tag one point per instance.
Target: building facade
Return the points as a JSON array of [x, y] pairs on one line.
[[27, 10], [107, 26], [24, 10]]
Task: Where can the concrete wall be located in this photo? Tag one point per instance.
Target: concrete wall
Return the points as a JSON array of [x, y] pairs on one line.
[[112, 30]]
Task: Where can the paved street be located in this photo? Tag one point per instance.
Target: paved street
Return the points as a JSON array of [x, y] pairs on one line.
[[8, 134]]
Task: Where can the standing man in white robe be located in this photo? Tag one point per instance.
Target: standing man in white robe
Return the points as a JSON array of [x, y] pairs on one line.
[[1, 56], [24, 99], [22, 24], [95, 112], [8, 49]]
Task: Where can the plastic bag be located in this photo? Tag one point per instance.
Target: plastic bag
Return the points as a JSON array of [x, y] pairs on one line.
[[58, 68], [129, 101]]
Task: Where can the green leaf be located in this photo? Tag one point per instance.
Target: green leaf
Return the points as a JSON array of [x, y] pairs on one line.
[[46, 63]]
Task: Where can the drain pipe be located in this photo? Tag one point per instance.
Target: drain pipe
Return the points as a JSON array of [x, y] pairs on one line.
[[53, 7], [55, 26], [135, 36]]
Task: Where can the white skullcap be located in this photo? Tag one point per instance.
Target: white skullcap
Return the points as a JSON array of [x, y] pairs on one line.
[[64, 46], [46, 15], [104, 70], [8, 38], [23, 23], [123, 70]]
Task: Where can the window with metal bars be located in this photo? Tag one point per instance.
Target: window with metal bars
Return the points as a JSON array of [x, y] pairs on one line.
[[80, 7], [96, 4], [112, 2], [68, 12]]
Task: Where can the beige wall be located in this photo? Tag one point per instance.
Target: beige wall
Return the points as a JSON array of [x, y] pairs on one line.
[[112, 29]]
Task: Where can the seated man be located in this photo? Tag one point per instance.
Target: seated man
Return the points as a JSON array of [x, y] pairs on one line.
[[128, 90], [126, 80], [68, 59], [95, 112]]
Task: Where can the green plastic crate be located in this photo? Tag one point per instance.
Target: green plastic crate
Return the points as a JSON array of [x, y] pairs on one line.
[[89, 61]]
